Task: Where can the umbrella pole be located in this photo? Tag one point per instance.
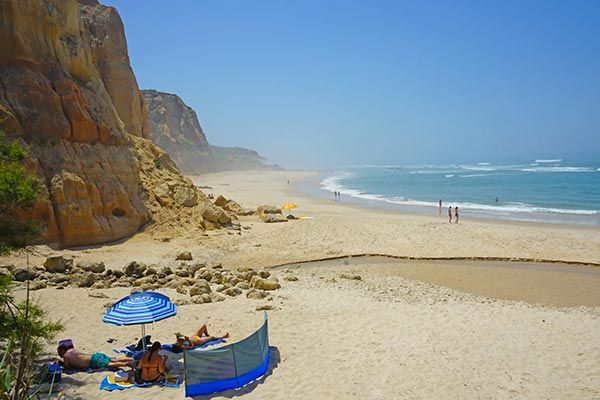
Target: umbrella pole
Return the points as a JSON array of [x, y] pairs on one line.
[[144, 337]]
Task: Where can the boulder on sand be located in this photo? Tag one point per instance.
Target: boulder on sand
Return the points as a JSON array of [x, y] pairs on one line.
[[184, 255], [264, 284], [58, 264]]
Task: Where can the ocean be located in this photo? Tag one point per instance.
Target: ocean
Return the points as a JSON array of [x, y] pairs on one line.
[[556, 191]]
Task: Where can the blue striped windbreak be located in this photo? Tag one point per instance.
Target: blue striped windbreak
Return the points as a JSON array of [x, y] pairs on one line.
[[140, 308]]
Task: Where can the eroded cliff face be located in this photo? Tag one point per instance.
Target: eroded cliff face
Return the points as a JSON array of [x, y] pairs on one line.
[[175, 128], [68, 92]]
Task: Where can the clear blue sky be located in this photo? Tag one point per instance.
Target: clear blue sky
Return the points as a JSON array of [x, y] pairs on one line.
[[325, 83]]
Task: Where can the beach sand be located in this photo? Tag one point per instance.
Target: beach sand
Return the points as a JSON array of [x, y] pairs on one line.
[[405, 330]]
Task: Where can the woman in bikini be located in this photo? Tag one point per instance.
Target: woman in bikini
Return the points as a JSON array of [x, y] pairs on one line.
[[201, 337], [152, 365]]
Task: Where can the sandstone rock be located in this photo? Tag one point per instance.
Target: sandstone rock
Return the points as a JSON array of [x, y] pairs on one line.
[[206, 274], [224, 218], [217, 278], [182, 290], [135, 269], [273, 218], [266, 209], [84, 279], [216, 297], [149, 286], [186, 196], [95, 267], [264, 307], [232, 206], [147, 280], [58, 264], [351, 277], [256, 294], [192, 269], [37, 285], [184, 255], [182, 272], [290, 278], [220, 288], [175, 283], [233, 292], [197, 299], [165, 271], [101, 285], [206, 298], [150, 271], [245, 212], [5, 272], [243, 285], [59, 278], [264, 284], [211, 215], [182, 302], [220, 201], [200, 287]]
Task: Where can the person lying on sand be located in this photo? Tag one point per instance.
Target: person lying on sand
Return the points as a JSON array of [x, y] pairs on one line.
[[202, 336], [75, 359], [152, 365]]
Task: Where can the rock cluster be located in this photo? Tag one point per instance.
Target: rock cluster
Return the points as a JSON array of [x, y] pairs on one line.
[[202, 283], [268, 213]]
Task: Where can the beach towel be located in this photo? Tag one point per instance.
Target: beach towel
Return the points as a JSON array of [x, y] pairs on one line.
[[109, 383], [131, 351], [169, 346]]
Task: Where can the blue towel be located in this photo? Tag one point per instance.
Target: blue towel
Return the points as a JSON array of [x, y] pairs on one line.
[[107, 385], [169, 346], [130, 351]]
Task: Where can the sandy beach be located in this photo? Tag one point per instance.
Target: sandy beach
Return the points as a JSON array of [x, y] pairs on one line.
[[406, 329]]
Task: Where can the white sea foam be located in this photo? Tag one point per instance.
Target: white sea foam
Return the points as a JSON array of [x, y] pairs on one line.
[[549, 161], [334, 183], [483, 163], [478, 168], [449, 175], [557, 169], [473, 175]]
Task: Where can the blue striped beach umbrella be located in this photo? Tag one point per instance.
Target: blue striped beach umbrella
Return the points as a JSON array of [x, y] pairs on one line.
[[139, 309]]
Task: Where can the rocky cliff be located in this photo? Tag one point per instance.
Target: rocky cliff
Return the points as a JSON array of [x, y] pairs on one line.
[[68, 92], [175, 128]]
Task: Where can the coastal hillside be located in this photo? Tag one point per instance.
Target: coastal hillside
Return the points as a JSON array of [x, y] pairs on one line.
[[68, 93], [175, 128]]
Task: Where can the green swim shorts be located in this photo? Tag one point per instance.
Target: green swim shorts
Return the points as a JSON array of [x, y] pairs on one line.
[[99, 361]]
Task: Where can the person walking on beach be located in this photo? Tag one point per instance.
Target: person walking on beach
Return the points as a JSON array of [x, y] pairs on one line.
[[456, 214], [450, 214], [440, 211]]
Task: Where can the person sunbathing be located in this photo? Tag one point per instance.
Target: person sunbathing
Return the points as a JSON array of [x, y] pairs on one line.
[[202, 336], [152, 365], [75, 359]]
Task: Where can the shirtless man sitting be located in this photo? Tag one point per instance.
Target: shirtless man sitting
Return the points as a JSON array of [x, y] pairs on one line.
[[201, 337], [75, 359]]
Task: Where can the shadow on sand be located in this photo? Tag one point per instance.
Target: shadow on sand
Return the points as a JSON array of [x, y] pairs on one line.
[[274, 359]]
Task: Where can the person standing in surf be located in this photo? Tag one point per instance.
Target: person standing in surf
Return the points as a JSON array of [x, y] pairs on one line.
[[456, 214], [450, 214]]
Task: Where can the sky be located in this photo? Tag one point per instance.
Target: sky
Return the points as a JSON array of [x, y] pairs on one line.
[[321, 84]]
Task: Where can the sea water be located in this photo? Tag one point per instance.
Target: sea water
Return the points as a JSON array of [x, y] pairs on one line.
[[557, 190]]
